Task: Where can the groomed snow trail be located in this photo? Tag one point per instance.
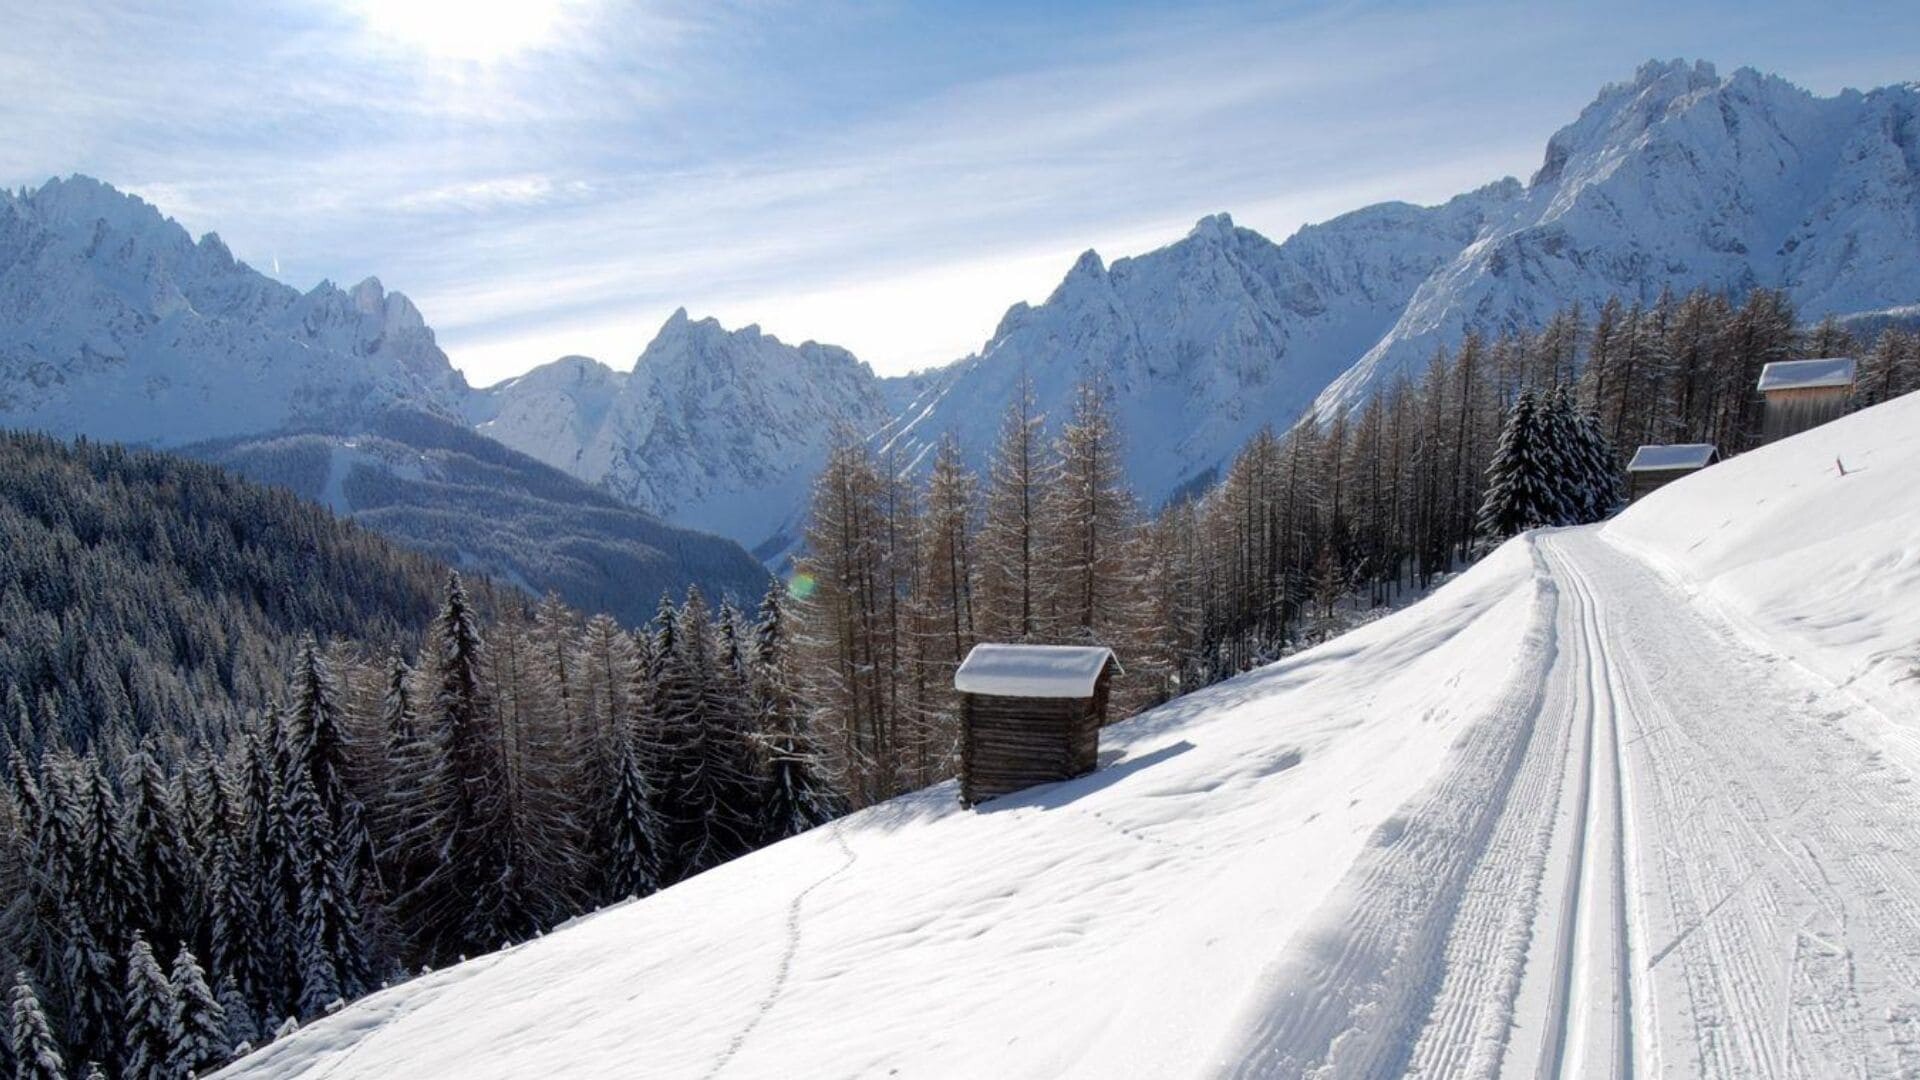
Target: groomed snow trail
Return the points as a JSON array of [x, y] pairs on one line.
[[1722, 880]]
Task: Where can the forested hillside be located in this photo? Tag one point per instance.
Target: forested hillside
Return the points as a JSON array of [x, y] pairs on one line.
[[249, 773], [144, 593], [440, 488]]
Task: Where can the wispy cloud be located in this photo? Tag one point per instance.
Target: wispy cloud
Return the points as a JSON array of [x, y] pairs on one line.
[[885, 175]]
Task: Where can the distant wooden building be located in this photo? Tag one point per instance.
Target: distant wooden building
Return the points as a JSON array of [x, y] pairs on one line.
[[1802, 394], [1654, 467], [1029, 714]]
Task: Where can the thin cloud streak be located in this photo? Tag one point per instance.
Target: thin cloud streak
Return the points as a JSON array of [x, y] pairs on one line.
[[881, 176]]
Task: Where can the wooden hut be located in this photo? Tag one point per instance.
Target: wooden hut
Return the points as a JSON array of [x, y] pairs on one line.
[[1029, 714], [1654, 467], [1802, 394]]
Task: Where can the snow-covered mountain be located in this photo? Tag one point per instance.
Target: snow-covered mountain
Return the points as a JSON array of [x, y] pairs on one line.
[[1677, 178], [1207, 340], [715, 430], [1619, 800], [1687, 178], [116, 325]]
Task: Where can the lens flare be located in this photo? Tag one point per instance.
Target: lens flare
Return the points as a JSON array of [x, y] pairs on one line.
[[801, 585]]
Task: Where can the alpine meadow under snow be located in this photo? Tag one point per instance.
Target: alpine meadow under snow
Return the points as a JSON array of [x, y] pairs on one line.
[[1623, 793]]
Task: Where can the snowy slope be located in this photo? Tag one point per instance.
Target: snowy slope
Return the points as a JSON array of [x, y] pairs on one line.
[[1684, 177], [116, 325], [716, 430], [1559, 818], [1757, 539]]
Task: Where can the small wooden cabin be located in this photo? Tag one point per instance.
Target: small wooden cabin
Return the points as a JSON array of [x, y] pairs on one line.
[[1029, 714], [1802, 394], [1654, 467]]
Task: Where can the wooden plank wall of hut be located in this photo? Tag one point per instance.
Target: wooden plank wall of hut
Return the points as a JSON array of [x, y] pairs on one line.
[[1647, 481], [1790, 412], [1011, 743]]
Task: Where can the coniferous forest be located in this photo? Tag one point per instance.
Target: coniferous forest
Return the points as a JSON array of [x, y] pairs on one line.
[[259, 762]]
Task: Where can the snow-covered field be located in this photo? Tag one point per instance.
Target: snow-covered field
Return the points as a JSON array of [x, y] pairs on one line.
[[1634, 799]]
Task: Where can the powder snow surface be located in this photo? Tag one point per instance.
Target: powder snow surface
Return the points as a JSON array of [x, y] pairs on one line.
[[1633, 799]]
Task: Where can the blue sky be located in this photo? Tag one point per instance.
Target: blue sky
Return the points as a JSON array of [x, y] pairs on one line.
[[556, 176]]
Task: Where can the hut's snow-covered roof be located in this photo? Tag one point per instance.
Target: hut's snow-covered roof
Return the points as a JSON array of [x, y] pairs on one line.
[[1674, 456], [1041, 671], [1832, 371]]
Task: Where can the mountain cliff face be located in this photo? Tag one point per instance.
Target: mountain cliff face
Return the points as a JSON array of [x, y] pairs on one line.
[[1677, 178], [1206, 340], [115, 325], [712, 429], [1686, 178]]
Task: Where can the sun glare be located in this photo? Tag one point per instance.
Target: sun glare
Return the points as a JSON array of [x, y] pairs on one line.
[[479, 32]]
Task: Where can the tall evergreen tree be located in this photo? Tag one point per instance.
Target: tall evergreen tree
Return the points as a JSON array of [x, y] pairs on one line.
[[797, 793], [146, 1034], [162, 893], [708, 787], [197, 1030], [36, 1053], [1523, 491], [467, 903]]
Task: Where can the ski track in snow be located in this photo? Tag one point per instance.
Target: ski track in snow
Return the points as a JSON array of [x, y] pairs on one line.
[[1642, 887], [795, 928]]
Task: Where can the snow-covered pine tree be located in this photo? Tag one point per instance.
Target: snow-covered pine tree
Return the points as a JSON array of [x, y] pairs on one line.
[[1599, 466], [626, 839], [107, 883], [146, 1030], [89, 981], [328, 957], [466, 903], [163, 884], [318, 737], [708, 788], [664, 637], [197, 1032], [796, 791], [634, 834], [242, 1026], [233, 931], [36, 1053], [1522, 492], [1566, 468]]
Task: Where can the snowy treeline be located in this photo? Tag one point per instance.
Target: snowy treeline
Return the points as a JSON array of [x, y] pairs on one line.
[[388, 816], [141, 593], [1494, 436]]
